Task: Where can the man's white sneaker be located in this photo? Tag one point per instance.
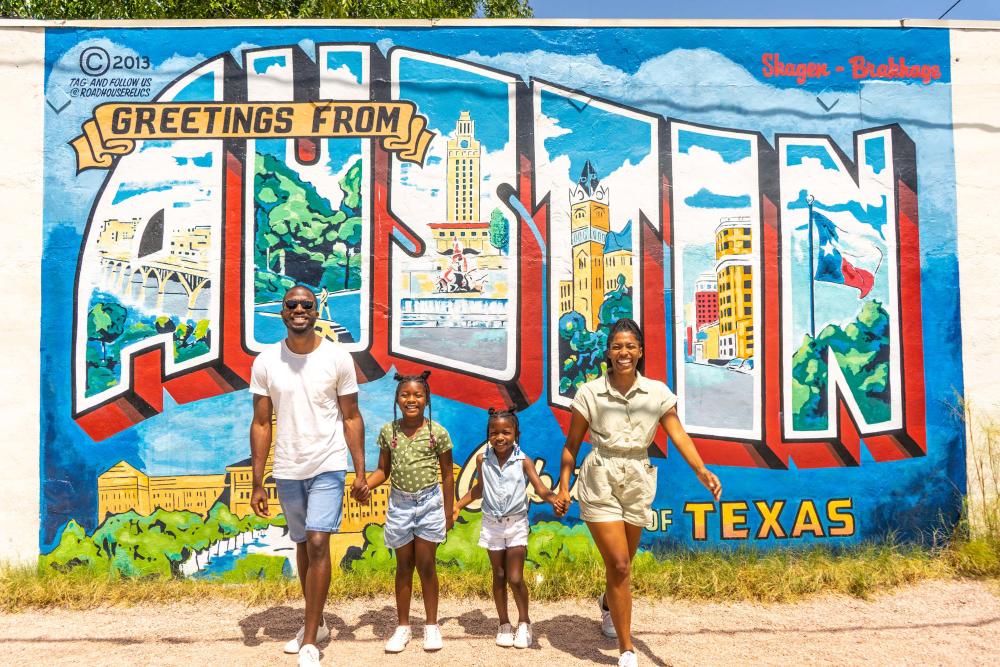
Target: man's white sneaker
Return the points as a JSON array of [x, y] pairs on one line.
[[523, 637], [308, 656], [400, 638], [628, 659], [295, 644], [505, 635], [607, 625], [432, 638]]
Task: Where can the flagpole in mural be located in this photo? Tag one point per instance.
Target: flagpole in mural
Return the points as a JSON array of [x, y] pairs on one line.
[[812, 272]]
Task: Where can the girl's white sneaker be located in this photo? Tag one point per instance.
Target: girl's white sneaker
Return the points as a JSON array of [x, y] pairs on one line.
[[432, 638], [505, 635], [522, 639], [400, 638]]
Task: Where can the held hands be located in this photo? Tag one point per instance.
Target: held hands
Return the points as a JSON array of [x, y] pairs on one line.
[[258, 501], [359, 489], [561, 501], [710, 482], [449, 520]]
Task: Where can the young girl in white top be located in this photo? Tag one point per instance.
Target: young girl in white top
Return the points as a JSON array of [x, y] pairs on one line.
[[502, 473]]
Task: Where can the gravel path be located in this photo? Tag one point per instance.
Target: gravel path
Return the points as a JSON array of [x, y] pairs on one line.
[[934, 623]]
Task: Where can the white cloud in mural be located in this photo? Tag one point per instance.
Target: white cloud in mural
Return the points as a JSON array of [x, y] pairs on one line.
[[726, 93], [701, 169], [177, 65], [342, 84]]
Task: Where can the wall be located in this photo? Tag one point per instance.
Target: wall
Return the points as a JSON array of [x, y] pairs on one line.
[[617, 171]]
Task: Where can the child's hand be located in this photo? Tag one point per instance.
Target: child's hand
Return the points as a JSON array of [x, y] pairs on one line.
[[449, 521], [561, 503], [455, 513]]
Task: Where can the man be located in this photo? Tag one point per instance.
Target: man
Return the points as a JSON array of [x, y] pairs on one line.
[[310, 385]]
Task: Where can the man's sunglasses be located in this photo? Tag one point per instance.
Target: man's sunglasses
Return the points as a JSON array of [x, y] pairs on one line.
[[292, 304]]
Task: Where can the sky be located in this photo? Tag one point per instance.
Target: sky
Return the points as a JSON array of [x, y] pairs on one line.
[[774, 9]]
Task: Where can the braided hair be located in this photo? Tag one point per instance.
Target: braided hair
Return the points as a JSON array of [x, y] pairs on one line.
[[420, 379], [505, 413], [625, 325]]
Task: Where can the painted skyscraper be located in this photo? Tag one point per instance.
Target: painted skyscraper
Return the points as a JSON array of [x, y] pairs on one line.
[[463, 171]]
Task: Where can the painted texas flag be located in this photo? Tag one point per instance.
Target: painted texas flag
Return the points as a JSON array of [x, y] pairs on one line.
[[832, 263]]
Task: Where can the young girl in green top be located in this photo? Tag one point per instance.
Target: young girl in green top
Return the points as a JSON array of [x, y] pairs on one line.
[[414, 452]]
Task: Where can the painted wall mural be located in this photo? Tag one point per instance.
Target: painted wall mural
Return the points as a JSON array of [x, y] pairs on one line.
[[776, 207]]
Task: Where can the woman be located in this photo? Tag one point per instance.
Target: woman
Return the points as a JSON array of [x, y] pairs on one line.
[[617, 483]]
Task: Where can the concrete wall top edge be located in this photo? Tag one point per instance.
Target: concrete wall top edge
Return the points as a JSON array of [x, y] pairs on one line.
[[540, 23]]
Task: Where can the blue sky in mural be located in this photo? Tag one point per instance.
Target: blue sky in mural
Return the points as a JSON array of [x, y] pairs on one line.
[[605, 138], [442, 93]]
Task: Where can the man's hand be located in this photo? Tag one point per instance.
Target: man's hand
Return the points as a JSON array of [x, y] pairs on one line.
[[359, 489], [258, 501]]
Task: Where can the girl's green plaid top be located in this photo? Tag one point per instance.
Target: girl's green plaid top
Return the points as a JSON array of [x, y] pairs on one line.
[[415, 463]]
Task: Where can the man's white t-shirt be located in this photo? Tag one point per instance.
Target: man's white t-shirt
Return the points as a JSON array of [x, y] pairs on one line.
[[309, 437]]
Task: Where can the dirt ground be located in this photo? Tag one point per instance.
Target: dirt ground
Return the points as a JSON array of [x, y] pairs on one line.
[[934, 623]]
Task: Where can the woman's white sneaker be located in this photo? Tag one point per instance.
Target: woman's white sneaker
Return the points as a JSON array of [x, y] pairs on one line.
[[400, 638], [607, 625], [505, 635], [522, 639], [295, 644], [628, 659], [432, 638]]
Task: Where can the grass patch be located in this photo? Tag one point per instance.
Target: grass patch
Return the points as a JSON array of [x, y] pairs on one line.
[[736, 576]]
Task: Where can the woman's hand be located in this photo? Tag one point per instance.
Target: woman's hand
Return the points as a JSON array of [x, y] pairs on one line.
[[710, 482], [561, 502]]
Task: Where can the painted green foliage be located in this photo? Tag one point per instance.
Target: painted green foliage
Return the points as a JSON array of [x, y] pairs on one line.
[[548, 543], [862, 351], [135, 545], [111, 327], [582, 350], [499, 231], [299, 237]]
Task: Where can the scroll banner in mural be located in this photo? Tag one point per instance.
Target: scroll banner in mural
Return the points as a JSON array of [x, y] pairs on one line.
[[116, 127], [486, 201]]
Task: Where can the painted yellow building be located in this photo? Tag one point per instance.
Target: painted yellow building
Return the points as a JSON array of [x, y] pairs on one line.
[[115, 237], [617, 263], [734, 273], [463, 171], [706, 345], [472, 235], [191, 243], [240, 476], [565, 296], [122, 488], [589, 227], [194, 493]]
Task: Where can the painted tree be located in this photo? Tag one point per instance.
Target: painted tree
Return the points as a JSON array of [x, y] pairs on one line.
[[105, 323], [499, 231], [862, 351]]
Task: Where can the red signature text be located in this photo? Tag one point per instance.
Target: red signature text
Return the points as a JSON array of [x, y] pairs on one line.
[[773, 66], [893, 69]]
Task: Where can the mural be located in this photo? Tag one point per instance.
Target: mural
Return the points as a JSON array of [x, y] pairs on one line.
[[486, 201]]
